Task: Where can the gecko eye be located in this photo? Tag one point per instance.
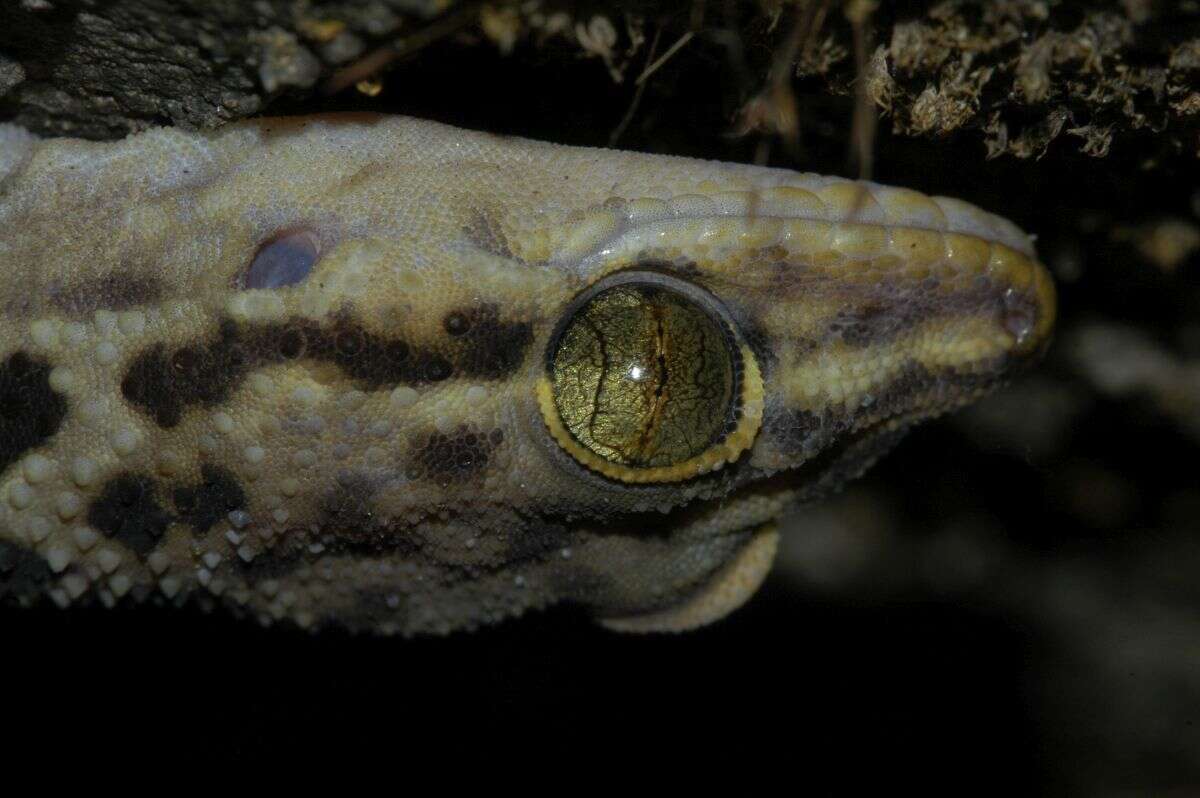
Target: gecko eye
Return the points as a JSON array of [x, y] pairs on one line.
[[647, 381]]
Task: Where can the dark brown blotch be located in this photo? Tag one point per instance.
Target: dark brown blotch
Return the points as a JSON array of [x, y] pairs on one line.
[[217, 494], [349, 343], [456, 323], [453, 457], [128, 511], [31, 412], [286, 552], [437, 369], [23, 574], [292, 343], [375, 362], [487, 347], [165, 383]]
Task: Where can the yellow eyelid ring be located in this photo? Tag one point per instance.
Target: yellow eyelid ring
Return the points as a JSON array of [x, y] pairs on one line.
[[647, 380]]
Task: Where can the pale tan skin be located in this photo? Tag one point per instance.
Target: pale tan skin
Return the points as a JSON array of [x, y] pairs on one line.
[[328, 489]]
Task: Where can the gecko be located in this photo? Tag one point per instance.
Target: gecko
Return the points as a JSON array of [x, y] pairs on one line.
[[382, 374]]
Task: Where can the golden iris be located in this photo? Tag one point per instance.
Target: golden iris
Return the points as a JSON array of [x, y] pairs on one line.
[[644, 377]]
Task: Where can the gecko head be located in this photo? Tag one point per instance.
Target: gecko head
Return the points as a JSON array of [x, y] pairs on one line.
[[744, 362], [417, 379]]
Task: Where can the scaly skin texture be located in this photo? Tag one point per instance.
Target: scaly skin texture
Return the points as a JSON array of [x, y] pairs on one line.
[[365, 447]]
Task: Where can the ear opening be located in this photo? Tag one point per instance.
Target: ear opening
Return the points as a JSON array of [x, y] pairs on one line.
[[283, 260]]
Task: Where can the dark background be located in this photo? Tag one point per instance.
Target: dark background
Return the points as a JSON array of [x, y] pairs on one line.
[[1008, 603]]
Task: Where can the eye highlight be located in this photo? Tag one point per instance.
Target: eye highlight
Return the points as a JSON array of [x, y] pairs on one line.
[[646, 381]]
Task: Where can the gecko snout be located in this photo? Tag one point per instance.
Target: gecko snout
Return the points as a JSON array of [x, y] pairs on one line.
[[1026, 307]]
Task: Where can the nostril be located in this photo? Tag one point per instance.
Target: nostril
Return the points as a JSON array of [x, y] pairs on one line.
[[284, 260], [1018, 315]]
